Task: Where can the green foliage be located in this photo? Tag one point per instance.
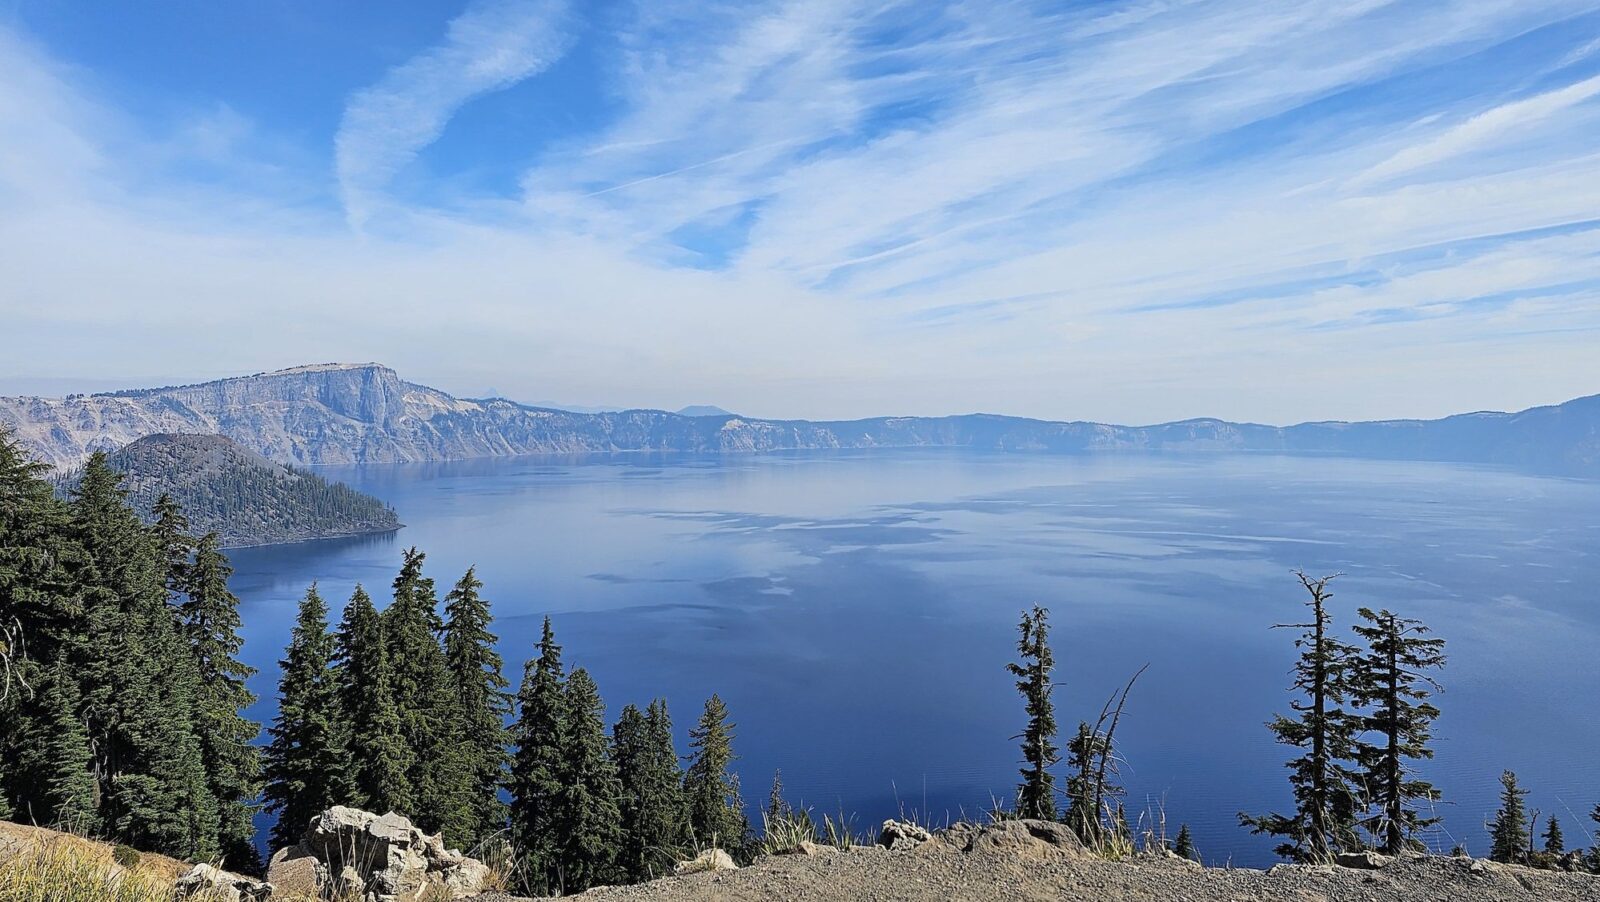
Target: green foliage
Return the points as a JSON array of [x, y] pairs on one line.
[[537, 765], [784, 827], [711, 790], [307, 764], [209, 615], [438, 769], [587, 816], [248, 500], [1326, 804], [1391, 679], [1510, 831], [654, 822], [1554, 842], [126, 856], [1183, 846], [70, 794], [1036, 793], [482, 704], [371, 724]]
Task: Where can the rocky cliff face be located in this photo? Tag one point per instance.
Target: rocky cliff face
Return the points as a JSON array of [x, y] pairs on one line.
[[337, 414]]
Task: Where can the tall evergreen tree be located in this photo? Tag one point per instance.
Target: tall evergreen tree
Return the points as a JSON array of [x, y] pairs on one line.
[[537, 763], [1554, 842], [139, 682], [1510, 832], [711, 791], [174, 545], [651, 799], [307, 763], [481, 702], [1323, 822], [210, 618], [378, 753], [1390, 678], [72, 796], [439, 769], [587, 819], [1036, 795]]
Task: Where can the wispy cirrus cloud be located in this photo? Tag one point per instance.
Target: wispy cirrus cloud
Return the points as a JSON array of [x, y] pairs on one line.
[[492, 45], [1242, 208]]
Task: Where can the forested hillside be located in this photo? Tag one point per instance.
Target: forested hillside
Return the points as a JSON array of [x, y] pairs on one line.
[[241, 496]]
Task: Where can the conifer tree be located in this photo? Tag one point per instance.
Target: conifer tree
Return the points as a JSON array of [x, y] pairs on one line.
[[537, 764], [72, 798], [1036, 793], [378, 753], [173, 543], [651, 799], [1323, 822], [140, 685], [711, 791], [1594, 851], [481, 702], [210, 618], [438, 769], [587, 818], [777, 808], [307, 763], [1390, 678], [1554, 842], [1183, 846], [1510, 831]]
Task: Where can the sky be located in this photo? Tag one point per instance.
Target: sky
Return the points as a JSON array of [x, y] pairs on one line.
[[1128, 212]]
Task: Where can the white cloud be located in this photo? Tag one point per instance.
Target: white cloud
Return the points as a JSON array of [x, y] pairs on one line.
[[493, 45], [1139, 216]]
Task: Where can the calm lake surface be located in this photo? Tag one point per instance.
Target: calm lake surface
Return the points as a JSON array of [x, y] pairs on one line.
[[856, 610]]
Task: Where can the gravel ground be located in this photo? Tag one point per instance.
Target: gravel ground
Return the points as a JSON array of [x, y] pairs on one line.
[[877, 875]]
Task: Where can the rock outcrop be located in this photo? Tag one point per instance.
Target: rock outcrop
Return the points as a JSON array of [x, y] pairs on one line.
[[215, 885], [709, 860], [347, 853], [898, 836], [365, 413]]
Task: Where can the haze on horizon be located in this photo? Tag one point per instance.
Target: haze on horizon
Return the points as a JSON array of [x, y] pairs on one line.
[[1129, 213]]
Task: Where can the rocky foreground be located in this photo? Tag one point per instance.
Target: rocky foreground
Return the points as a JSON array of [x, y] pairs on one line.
[[1022, 861], [353, 855]]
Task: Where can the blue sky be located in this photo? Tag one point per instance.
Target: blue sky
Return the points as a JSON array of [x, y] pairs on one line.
[[1118, 211]]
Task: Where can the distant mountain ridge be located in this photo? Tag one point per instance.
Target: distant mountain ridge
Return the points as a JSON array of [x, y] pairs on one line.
[[365, 413], [240, 495]]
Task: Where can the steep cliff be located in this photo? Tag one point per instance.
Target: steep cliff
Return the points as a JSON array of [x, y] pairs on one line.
[[365, 413]]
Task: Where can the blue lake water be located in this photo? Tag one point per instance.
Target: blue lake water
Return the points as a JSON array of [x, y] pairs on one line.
[[856, 610]]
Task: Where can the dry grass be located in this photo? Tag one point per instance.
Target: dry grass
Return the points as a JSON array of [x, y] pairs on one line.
[[64, 868]]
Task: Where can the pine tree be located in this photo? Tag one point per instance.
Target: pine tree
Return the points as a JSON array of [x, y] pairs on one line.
[[307, 763], [210, 617], [378, 753], [1036, 793], [537, 764], [1510, 831], [777, 808], [715, 809], [1554, 842], [1325, 803], [651, 798], [438, 769], [481, 702], [1391, 679], [140, 685], [1084, 753], [1183, 846], [587, 818], [174, 544], [72, 796], [1594, 852]]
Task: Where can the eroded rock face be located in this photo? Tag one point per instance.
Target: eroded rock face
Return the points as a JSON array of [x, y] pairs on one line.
[[1025, 838], [377, 858], [899, 836], [216, 885]]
